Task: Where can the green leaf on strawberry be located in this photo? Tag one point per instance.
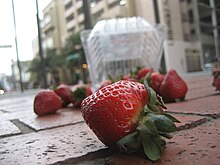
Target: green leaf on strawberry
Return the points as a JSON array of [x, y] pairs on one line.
[[163, 123]]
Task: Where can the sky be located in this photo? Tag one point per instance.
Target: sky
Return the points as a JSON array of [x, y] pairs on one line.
[[26, 28]]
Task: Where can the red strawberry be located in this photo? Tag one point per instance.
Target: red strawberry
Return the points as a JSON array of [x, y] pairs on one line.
[[173, 87], [105, 83], [216, 79], [116, 114], [80, 92], [155, 81], [129, 77], [216, 72], [143, 72], [217, 83], [46, 102], [64, 92]]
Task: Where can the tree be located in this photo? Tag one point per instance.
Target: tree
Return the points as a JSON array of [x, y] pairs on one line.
[[73, 47], [53, 62]]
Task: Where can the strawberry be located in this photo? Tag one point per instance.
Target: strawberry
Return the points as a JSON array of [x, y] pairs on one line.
[[173, 87], [143, 72], [46, 102], [64, 91], [129, 77], [217, 83], [127, 115], [155, 81], [216, 79], [80, 92], [105, 83]]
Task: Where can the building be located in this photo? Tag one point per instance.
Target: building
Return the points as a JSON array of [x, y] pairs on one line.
[[193, 33], [53, 25], [25, 75], [193, 26]]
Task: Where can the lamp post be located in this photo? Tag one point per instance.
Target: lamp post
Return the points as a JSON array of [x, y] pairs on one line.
[[87, 14], [45, 85], [16, 45]]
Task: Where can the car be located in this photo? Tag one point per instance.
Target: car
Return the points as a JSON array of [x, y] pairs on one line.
[[2, 91]]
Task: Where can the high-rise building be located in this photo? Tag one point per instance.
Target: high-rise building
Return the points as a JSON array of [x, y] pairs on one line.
[[54, 25], [193, 26]]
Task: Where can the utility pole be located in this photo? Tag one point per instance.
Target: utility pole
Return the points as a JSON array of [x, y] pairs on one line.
[[16, 44], [87, 14], [44, 74]]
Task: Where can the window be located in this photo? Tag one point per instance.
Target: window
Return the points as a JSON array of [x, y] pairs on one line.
[[98, 14], [81, 25], [193, 31], [190, 13], [97, 1], [68, 5], [47, 19], [113, 4], [49, 31], [188, 1], [184, 17], [186, 37], [70, 18], [71, 30], [48, 43], [80, 11]]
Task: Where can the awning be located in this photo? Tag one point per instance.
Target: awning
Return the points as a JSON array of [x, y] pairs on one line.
[[73, 57]]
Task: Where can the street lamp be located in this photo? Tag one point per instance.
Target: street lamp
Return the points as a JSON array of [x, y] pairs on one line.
[[40, 48], [87, 14], [16, 45]]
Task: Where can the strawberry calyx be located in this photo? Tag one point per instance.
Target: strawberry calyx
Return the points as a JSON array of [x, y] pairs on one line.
[[153, 126], [78, 95], [147, 78]]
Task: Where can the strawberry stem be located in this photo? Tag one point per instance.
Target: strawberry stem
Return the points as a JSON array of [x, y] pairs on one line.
[[154, 124]]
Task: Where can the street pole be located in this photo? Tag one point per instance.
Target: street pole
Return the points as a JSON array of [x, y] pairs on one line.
[[16, 45], [44, 74], [87, 14]]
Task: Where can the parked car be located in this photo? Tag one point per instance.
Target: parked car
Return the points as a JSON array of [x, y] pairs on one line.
[[2, 91], [208, 67]]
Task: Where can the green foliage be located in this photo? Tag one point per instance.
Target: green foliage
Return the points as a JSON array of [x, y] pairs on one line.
[[54, 61]]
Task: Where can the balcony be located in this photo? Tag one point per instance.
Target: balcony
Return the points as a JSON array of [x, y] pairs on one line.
[[204, 10], [71, 24], [67, 1], [69, 11], [204, 2], [99, 6], [206, 28], [81, 18], [79, 4]]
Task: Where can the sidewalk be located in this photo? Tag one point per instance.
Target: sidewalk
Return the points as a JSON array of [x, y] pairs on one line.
[[64, 138]]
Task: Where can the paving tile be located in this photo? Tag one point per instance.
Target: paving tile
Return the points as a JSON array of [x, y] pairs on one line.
[[63, 117], [8, 128], [204, 106], [17, 104], [49, 146], [200, 86], [200, 145], [204, 91]]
